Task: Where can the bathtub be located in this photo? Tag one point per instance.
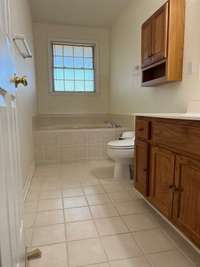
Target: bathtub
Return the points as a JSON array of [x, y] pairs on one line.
[[66, 143], [79, 126]]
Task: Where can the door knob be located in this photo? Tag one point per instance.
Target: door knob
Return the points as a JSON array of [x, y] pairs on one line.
[[19, 80]]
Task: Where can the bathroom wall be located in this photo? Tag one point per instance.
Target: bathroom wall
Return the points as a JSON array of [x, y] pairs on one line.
[[70, 104], [126, 93], [21, 23]]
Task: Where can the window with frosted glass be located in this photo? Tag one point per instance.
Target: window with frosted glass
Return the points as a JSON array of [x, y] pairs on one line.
[[73, 68]]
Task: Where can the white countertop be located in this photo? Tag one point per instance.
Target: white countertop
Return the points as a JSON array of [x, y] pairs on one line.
[[180, 116]]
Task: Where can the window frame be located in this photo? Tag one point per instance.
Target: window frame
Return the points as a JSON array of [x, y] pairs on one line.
[[94, 45]]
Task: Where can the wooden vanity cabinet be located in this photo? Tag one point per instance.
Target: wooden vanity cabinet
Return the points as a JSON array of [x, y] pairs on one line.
[[167, 170], [186, 208], [162, 179], [141, 172]]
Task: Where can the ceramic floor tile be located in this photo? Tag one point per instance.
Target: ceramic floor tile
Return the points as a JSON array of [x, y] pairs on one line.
[[98, 199], [50, 195], [75, 202], [152, 241], [89, 191], [86, 252], [77, 214], [50, 204], [120, 247], [52, 256], [120, 196], [170, 258], [81, 230], [70, 184], [137, 222], [113, 187], [136, 262], [133, 193], [93, 189], [48, 235], [103, 211], [98, 265], [132, 207], [49, 217], [110, 226], [89, 181], [51, 186], [73, 192]]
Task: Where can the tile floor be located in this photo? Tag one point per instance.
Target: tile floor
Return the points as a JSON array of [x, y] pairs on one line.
[[79, 216]]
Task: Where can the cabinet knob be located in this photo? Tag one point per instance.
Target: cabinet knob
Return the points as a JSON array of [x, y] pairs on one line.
[[175, 189]]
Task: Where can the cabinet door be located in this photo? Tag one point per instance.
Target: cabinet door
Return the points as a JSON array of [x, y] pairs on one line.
[[162, 179], [141, 167], [186, 208], [146, 43], [160, 34]]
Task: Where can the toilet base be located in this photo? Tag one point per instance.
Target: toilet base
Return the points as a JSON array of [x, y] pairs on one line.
[[121, 171]]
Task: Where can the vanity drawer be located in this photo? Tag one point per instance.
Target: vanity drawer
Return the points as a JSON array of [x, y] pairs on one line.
[[142, 128], [177, 135]]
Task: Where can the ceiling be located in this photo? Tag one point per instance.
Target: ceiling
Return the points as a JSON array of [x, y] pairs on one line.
[[96, 13]]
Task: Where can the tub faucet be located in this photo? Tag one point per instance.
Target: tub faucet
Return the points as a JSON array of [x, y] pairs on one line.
[[113, 124]]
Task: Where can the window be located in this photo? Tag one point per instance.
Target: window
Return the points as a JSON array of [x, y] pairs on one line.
[[73, 68]]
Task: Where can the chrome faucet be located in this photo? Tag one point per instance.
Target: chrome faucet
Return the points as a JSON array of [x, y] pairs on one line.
[[113, 124]]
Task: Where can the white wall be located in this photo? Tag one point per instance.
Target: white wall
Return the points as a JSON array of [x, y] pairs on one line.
[[26, 96], [59, 104], [126, 93]]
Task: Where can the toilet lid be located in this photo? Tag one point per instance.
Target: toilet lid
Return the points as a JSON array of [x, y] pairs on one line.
[[123, 144]]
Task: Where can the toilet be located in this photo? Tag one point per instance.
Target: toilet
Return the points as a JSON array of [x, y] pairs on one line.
[[121, 151]]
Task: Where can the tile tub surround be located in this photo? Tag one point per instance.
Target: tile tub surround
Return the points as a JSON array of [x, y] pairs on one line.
[[72, 121], [91, 234], [56, 146]]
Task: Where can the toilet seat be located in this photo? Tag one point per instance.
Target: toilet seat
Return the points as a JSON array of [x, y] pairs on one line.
[[122, 144]]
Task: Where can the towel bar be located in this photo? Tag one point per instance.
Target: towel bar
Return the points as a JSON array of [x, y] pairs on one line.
[[3, 93]]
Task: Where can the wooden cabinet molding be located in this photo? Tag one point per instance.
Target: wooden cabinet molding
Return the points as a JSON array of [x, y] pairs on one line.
[[141, 172], [186, 208], [160, 34], [162, 180], [147, 43]]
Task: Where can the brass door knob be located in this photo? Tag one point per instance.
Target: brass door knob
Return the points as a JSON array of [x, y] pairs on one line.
[[19, 80]]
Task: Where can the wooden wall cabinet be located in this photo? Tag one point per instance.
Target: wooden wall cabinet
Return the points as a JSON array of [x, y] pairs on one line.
[[162, 44], [167, 170]]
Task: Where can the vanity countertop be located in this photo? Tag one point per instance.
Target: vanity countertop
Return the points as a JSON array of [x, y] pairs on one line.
[[175, 116]]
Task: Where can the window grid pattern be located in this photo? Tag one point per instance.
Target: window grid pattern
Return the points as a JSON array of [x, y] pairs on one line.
[[73, 68]]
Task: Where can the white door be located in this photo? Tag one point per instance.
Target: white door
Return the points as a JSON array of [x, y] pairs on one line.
[[11, 203]]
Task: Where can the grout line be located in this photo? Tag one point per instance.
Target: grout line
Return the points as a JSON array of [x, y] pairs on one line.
[[65, 229]]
